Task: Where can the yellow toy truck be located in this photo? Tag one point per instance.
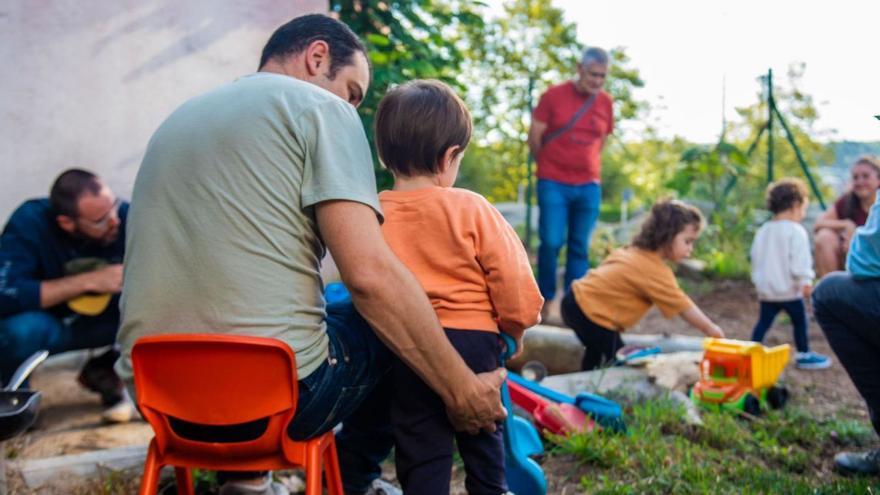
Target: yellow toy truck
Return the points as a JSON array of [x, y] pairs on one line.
[[740, 376]]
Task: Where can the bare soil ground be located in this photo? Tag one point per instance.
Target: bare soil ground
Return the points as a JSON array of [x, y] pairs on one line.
[[70, 421]]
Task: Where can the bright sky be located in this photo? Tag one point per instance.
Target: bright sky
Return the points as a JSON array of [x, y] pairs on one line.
[[684, 49]]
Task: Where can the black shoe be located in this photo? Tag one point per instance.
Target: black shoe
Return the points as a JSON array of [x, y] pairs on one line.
[[98, 376], [859, 462]]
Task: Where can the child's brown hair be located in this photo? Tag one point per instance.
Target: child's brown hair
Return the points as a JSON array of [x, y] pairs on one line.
[[416, 123], [785, 194], [667, 219]]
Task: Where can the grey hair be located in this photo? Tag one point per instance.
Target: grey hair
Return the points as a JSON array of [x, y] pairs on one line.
[[594, 55]]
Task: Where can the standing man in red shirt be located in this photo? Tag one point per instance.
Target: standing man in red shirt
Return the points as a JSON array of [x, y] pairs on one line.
[[568, 131]]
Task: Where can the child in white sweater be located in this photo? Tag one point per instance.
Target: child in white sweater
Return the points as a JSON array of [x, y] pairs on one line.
[[782, 268]]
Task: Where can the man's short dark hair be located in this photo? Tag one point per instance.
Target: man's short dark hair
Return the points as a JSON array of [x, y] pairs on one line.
[[416, 123], [69, 187], [295, 36], [785, 194]]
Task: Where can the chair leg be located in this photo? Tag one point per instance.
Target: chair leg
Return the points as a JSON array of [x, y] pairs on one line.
[[313, 469], [184, 481], [150, 480], [332, 473]]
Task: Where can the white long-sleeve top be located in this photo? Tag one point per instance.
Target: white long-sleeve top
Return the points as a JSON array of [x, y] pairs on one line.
[[781, 261]]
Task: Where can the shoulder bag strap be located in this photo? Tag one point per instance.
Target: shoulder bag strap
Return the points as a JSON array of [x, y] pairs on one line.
[[577, 116]]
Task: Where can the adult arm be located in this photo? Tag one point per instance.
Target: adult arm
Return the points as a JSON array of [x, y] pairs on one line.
[[536, 134], [390, 298], [107, 280], [697, 319], [829, 220], [23, 283]]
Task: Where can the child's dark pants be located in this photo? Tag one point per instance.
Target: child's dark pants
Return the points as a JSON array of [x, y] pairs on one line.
[[797, 312], [424, 436], [601, 343]]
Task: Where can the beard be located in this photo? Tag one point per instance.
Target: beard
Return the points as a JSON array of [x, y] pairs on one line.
[[108, 237]]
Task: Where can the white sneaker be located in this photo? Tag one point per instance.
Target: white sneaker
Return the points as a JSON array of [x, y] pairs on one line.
[[382, 487], [121, 412], [268, 487]]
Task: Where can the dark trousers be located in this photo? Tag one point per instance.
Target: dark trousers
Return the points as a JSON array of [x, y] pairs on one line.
[[424, 436], [601, 343], [795, 309], [848, 310], [353, 386], [26, 333]]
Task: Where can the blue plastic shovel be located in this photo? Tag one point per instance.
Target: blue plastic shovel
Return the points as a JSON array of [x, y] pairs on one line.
[[521, 440]]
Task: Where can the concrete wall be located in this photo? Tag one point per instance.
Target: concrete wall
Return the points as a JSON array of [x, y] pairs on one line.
[[85, 83]]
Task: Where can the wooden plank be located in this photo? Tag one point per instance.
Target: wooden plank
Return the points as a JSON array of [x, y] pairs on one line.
[[35, 472]]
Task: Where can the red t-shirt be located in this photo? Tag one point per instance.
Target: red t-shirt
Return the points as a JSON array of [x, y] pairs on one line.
[[575, 156]]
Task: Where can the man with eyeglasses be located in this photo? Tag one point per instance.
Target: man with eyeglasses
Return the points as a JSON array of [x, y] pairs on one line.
[[60, 276]]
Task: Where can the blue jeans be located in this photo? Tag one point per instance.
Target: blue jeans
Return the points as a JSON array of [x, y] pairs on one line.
[[25, 333], [796, 310], [352, 387], [847, 309], [566, 212]]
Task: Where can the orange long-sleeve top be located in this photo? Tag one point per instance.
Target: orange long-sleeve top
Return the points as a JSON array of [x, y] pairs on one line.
[[468, 259]]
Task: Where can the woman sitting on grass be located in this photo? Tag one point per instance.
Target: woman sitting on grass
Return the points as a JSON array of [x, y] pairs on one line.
[[616, 295]]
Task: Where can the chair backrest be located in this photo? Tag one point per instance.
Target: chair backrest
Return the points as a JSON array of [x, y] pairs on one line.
[[216, 380]]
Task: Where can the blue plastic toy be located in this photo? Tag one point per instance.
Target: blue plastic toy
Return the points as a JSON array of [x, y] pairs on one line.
[[605, 412], [521, 440]]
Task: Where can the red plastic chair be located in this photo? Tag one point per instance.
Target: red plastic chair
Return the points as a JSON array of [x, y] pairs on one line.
[[222, 380]]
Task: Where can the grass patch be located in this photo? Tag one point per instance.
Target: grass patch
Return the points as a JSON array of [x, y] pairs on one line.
[[785, 451]]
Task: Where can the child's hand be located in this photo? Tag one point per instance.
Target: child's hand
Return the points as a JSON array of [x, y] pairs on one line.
[[519, 347], [807, 291], [714, 331]]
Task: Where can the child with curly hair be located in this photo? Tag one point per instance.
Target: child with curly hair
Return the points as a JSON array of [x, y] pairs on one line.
[[615, 295], [782, 268]]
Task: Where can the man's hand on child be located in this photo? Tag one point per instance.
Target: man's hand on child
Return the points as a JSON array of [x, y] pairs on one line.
[[479, 406]]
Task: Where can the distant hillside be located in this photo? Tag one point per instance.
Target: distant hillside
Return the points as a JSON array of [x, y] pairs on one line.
[[847, 152]]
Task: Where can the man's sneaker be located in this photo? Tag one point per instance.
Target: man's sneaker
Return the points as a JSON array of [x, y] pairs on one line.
[[812, 361], [121, 412], [858, 462], [98, 376], [268, 487], [382, 487]]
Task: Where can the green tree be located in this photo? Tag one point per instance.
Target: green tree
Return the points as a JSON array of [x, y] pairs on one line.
[[408, 40]]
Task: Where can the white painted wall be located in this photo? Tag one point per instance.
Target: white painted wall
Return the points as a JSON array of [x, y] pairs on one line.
[[85, 83]]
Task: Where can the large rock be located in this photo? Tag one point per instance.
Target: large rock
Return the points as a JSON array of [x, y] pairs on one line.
[[560, 351]]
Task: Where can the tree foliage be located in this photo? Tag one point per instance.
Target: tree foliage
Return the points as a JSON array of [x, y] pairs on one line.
[[406, 40]]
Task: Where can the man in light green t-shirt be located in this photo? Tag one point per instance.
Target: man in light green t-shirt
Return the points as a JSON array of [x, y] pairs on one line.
[[241, 191]]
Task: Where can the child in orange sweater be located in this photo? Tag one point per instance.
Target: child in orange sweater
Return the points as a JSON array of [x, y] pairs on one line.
[[615, 295], [470, 263]]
